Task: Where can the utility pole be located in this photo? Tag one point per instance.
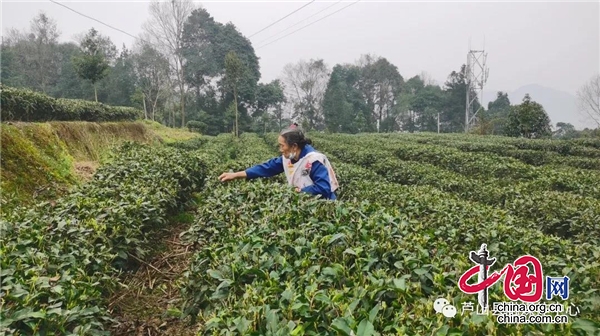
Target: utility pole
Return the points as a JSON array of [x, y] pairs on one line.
[[438, 122], [476, 75]]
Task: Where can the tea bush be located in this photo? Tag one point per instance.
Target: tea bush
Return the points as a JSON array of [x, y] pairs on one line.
[[271, 261], [541, 201], [27, 105], [60, 260]]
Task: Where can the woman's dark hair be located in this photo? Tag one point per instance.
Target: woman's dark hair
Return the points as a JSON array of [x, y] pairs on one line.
[[294, 135]]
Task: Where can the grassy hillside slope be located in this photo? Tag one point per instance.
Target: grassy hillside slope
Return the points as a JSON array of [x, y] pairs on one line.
[[40, 161]]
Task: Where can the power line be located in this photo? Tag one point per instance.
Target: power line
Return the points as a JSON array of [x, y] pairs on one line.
[[339, 10], [297, 23], [264, 45], [91, 18], [281, 19]]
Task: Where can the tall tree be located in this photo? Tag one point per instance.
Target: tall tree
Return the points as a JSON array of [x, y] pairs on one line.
[[455, 102], [92, 64], [230, 39], [165, 28], [44, 34], [344, 107], [7, 66], [152, 74], [200, 36], [565, 131], [409, 103], [119, 86], [14, 67], [501, 103], [495, 118], [202, 67], [306, 83], [69, 84], [427, 79], [234, 70], [381, 84], [420, 105], [269, 96], [205, 46], [29, 58], [528, 120], [588, 99]]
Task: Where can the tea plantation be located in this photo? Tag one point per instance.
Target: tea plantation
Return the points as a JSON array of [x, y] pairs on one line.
[[270, 261]]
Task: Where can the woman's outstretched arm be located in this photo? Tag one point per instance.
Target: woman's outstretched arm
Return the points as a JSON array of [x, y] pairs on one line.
[[266, 169]]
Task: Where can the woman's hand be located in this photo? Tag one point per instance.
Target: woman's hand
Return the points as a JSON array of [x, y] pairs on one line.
[[231, 176]]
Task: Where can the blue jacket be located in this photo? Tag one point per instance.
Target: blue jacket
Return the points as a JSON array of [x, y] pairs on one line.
[[318, 174]]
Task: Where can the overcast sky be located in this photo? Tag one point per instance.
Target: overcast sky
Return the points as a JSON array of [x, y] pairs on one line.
[[554, 44]]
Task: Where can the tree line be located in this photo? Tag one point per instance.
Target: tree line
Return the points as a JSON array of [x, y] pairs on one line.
[[188, 70]]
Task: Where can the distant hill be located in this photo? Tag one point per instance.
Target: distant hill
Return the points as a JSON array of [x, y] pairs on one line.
[[560, 105]]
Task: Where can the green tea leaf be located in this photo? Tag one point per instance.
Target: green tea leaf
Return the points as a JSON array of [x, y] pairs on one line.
[[400, 284], [330, 271], [350, 251], [287, 295], [590, 327], [420, 271], [26, 313], [373, 313], [365, 328], [242, 324], [443, 331], [335, 238], [215, 274], [340, 324]]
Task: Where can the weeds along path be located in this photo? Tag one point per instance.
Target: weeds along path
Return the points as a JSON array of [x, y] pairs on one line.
[[147, 303]]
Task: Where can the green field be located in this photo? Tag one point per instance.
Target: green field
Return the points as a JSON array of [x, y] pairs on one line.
[[269, 261]]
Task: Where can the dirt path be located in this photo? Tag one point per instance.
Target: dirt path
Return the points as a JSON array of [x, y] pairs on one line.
[[86, 169], [142, 308]]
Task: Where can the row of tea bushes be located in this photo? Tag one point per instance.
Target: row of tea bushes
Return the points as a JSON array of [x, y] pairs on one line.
[[60, 260], [555, 212], [31, 106], [482, 166], [576, 147], [271, 261]]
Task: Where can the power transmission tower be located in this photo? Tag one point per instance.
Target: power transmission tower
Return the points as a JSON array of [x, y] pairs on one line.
[[476, 74]]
